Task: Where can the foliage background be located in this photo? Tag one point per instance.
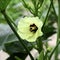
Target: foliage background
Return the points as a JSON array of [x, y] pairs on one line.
[[8, 40]]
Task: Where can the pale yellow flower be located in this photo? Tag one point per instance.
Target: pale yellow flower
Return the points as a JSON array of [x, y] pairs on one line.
[[29, 28]]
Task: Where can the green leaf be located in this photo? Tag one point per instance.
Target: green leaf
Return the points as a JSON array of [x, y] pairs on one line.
[[6, 38], [22, 56], [48, 30], [16, 49], [6, 35], [3, 4], [41, 55]]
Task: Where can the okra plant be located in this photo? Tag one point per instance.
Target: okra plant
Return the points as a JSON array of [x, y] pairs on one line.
[[32, 30]]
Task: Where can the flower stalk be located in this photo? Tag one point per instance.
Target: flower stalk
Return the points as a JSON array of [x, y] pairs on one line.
[[47, 15], [58, 34], [11, 20], [28, 7], [54, 10], [11, 26]]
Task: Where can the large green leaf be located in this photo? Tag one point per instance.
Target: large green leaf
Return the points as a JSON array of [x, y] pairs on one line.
[[16, 49], [6, 35], [7, 38], [3, 4]]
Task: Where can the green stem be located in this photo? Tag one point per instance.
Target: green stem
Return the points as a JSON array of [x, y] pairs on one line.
[[35, 7], [58, 34], [39, 44], [47, 15], [54, 10], [45, 57], [11, 26], [40, 5], [11, 20], [54, 50], [28, 7]]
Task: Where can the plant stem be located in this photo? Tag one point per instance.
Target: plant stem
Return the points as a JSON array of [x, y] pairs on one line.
[[11, 20], [11, 26], [28, 7], [41, 4], [54, 10], [59, 20], [47, 15], [39, 44], [54, 50], [58, 34], [35, 7], [45, 57]]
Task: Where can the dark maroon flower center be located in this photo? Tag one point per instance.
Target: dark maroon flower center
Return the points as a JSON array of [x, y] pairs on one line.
[[33, 28]]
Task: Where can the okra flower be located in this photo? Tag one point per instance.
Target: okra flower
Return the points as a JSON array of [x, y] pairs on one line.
[[29, 28]]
